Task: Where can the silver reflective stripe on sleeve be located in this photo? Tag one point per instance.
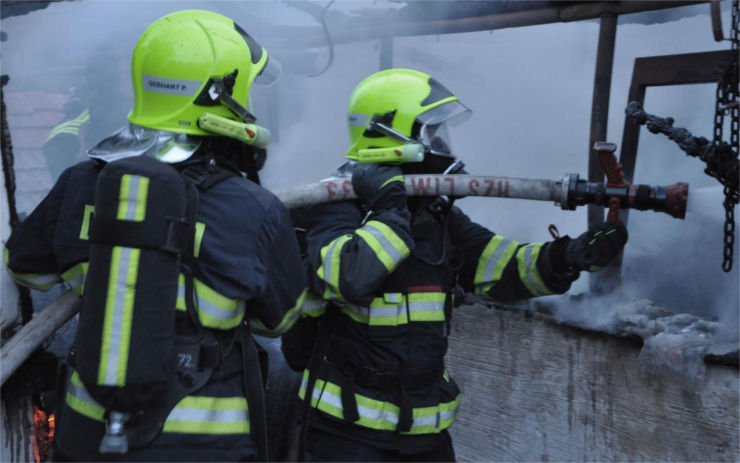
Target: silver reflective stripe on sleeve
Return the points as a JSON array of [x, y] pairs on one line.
[[214, 309], [492, 262], [313, 305], [330, 267], [291, 316], [75, 277], [384, 242], [36, 281], [527, 265]]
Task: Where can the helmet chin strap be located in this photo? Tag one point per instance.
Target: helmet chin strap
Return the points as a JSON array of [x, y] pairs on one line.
[[218, 92], [378, 126], [438, 146]]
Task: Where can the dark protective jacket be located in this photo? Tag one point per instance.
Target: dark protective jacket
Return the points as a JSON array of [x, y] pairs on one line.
[[247, 267], [391, 281]]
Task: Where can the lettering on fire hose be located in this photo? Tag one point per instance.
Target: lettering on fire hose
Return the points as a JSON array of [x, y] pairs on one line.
[[422, 186]]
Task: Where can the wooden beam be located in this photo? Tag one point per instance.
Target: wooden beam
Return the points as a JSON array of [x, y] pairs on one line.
[[44, 324]]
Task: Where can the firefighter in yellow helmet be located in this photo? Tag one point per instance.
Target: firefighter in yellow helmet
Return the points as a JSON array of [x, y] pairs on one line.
[[392, 269], [181, 381]]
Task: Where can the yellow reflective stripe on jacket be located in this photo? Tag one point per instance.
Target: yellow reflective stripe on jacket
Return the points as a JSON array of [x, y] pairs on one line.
[[388, 247], [427, 307], [398, 309], [71, 127], [40, 281], [79, 400], [289, 319], [132, 198], [192, 415], [209, 415], [75, 277], [380, 313], [313, 305], [200, 229], [377, 414], [527, 266], [329, 269], [119, 313], [87, 216], [214, 309], [395, 178], [492, 262]]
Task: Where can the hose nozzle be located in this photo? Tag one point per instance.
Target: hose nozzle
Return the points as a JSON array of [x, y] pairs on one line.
[[670, 199]]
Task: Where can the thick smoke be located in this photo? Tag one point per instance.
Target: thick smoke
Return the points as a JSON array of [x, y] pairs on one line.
[[530, 89]]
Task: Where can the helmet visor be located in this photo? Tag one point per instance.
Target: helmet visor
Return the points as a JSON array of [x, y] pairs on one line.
[[134, 140], [434, 123], [270, 73], [453, 113]]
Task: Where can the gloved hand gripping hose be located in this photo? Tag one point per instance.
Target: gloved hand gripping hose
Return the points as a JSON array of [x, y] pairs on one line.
[[380, 187]]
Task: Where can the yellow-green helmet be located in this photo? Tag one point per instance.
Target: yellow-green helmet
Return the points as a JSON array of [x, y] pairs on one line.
[[176, 62], [401, 107]]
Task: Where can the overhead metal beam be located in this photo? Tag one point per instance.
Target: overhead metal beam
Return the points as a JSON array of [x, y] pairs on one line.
[[358, 30]]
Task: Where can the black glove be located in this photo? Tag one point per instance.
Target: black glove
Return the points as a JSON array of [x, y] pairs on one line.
[[594, 249], [379, 187]]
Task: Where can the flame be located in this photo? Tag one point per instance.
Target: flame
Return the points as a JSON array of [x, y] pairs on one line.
[[44, 429]]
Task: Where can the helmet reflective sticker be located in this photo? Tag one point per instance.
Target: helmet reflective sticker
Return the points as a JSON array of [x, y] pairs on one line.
[[170, 86], [358, 119]]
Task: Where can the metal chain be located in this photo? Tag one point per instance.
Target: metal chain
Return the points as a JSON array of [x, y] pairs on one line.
[[727, 102]]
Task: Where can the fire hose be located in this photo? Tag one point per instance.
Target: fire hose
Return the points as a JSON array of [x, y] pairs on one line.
[[568, 192]]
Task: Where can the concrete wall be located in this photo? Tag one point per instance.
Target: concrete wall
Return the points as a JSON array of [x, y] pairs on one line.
[[536, 391]]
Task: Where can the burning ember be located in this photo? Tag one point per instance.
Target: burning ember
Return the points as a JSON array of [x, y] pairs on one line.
[[44, 427]]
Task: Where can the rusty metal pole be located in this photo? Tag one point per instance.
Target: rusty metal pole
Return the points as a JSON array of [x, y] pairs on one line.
[[605, 280]]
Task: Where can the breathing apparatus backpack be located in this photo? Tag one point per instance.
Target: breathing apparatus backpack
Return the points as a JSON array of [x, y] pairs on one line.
[[126, 349]]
